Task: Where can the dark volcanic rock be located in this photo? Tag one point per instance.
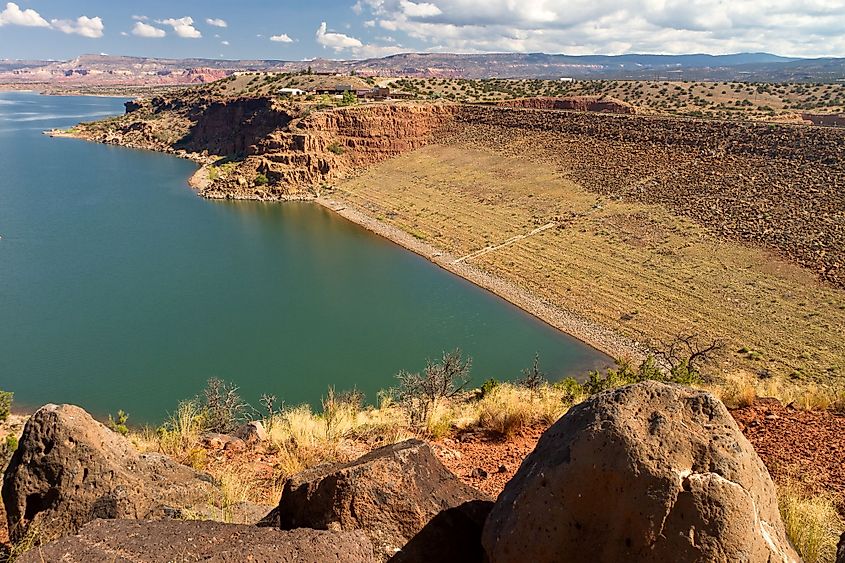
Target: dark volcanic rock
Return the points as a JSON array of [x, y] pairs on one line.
[[453, 536], [840, 550], [392, 493], [133, 541], [647, 472], [69, 469]]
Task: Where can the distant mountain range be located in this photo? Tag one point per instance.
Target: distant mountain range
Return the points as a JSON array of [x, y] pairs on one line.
[[117, 70]]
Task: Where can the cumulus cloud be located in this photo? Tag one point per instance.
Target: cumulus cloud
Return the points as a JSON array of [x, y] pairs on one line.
[[336, 41], [789, 27], [140, 18], [216, 22], [142, 29], [13, 15], [83, 25], [340, 42], [224, 43], [282, 38], [183, 27]]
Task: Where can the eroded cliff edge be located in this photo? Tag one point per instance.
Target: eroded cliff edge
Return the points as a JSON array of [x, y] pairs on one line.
[[262, 148]]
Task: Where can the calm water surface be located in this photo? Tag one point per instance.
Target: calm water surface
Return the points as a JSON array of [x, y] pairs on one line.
[[120, 288]]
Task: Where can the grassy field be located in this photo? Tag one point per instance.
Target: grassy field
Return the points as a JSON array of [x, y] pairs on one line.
[[635, 268]]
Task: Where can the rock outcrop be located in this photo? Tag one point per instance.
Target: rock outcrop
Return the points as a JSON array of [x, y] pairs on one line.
[[840, 549], [600, 104], [69, 470], [391, 494], [647, 472], [131, 541]]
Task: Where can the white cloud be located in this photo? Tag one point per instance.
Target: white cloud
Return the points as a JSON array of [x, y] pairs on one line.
[[336, 41], [421, 10], [226, 43], [142, 29], [340, 42], [13, 15], [183, 27], [140, 18], [216, 22], [83, 25], [788, 27], [283, 38]]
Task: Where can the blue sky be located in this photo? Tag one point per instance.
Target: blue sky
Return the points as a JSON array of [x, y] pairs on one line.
[[293, 30]]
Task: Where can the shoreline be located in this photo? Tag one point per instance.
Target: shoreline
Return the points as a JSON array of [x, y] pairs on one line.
[[587, 332], [592, 334]]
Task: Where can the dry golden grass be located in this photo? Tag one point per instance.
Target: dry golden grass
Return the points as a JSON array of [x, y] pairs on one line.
[[508, 408], [634, 268], [812, 523]]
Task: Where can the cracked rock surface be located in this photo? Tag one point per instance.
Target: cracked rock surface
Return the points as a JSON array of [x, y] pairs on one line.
[[647, 472]]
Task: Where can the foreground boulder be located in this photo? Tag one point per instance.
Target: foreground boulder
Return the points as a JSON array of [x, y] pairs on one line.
[[132, 541], [647, 472], [69, 469], [391, 494], [840, 550]]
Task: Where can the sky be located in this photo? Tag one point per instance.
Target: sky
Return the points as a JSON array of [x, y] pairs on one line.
[[347, 29]]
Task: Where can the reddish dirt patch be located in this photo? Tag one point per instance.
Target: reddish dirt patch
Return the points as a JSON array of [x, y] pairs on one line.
[[806, 445], [486, 461]]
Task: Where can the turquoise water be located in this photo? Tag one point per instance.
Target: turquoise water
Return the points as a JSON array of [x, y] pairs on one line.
[[120, 288]]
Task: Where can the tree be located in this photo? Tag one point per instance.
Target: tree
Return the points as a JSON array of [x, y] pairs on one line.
[[349, 98], [684, 354], [419, 393]]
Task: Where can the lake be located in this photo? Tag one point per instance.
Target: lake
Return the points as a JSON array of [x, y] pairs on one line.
[[121, 289]]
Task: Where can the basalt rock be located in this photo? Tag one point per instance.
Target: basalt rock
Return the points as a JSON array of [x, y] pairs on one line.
[[648, 472], [69, 469], [573, 103], [840, 550], [391, 494], [131, 541]]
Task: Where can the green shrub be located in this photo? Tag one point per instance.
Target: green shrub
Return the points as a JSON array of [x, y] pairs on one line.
[[7, 448], [5, 405], [349, 98], [488, 386], [261, 180], [118, 423], [335, 148], [571, 389]]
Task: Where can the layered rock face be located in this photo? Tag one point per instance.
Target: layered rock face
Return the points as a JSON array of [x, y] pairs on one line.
[[647, 472], [233, 127], [573, 103], [326, 145], [391, 494], [125, 541], [69, 470]]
